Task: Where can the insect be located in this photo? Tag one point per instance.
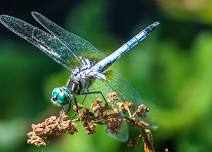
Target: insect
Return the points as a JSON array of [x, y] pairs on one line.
[[88, 66]]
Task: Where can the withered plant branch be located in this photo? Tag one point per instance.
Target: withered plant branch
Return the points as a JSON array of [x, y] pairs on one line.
[[111, 115]]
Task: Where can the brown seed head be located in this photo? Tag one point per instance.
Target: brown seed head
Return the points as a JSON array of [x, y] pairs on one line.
[[112, 96], [142, 110], [86, 115], [79, 106], [89, 127], [134, 142], [125, 106]]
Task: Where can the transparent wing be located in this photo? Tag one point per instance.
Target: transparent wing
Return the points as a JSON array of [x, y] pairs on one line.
[[123, 88], [115, 82], [47, 43], [127, 93], [122, 134], [79, 46]]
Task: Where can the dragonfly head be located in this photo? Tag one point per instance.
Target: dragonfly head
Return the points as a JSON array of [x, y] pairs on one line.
[[61, 96]]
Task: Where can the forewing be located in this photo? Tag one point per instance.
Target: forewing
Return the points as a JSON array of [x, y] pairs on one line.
[[78, 45], [47, 43]]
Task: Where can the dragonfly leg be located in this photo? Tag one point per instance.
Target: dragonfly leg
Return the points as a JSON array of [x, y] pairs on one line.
[[84, 98], [75, 102], [95, 92], [66, 110]]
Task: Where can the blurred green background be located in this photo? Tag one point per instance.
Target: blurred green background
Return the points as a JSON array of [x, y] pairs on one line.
[[172, 70]]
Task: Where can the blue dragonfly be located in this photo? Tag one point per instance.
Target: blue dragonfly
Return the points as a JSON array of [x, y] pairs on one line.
[[89, 73]]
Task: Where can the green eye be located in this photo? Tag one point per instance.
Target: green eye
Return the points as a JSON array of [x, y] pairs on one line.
[[60, 96]]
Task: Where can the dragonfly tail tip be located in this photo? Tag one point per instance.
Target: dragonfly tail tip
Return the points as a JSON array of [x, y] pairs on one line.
[[34, 13], [3, 18], [151, 27], [156, 23]]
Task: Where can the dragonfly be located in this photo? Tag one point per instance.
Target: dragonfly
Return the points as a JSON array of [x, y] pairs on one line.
[[89, 67]]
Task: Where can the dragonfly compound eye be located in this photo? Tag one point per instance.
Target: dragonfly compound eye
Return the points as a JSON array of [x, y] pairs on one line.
[[60, 96]]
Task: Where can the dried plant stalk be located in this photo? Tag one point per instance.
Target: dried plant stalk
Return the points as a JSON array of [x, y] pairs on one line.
[[111, 115]]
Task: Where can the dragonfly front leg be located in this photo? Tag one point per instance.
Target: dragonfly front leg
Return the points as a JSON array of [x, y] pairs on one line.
[[94, 92], [75, 102], [67, 108]]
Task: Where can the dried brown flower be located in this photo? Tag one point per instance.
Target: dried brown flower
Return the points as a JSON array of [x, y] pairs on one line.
[[134, 142], [90, 127], [77, 107], [111, 115], [125, 106], [114, 124], [142, 110], [51, 126], [112, 96], [87, 115]]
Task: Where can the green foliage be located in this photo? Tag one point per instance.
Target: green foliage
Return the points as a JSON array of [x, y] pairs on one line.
[[174, 81]]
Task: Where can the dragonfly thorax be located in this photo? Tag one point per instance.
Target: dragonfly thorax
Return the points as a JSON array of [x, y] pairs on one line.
[[85, 74], [82, 77]]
